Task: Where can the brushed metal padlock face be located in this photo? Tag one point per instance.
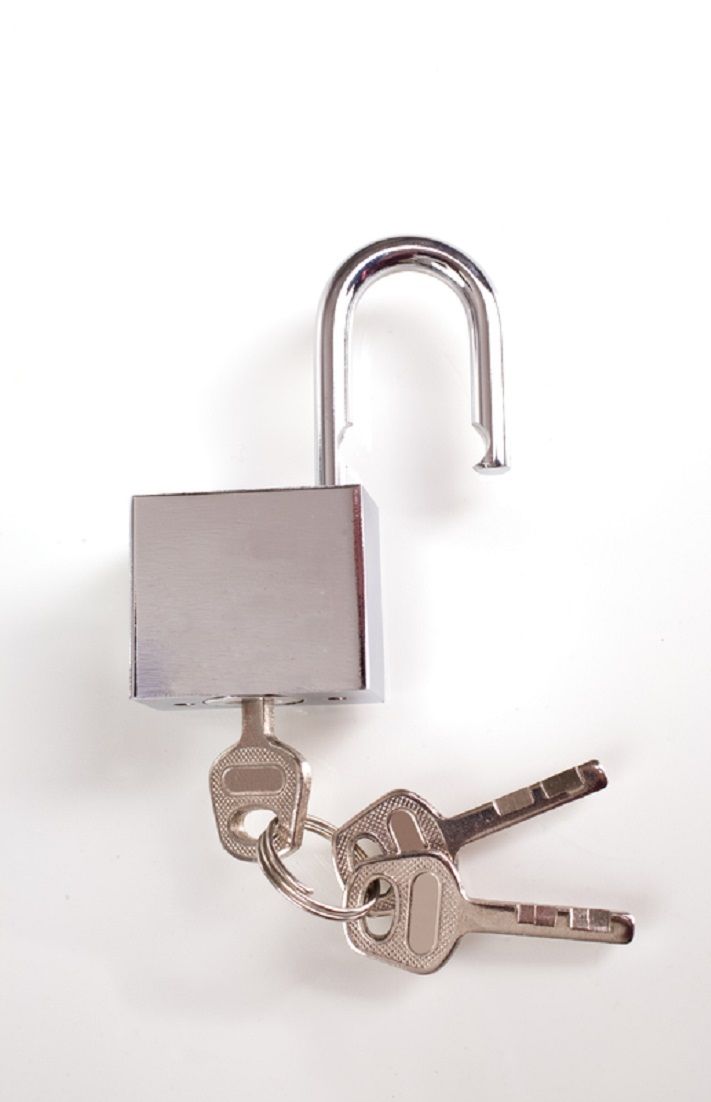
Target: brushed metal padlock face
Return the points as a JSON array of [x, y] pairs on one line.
[[256, 593]]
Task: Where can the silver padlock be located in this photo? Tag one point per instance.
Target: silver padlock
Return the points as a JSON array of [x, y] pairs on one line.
[[254, 593]]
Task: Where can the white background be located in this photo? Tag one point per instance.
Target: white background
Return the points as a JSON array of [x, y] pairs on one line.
[[178, 182]]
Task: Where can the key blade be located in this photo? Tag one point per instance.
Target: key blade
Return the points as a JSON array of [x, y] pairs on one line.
[[525, 803], [543, 920], [257, 721]]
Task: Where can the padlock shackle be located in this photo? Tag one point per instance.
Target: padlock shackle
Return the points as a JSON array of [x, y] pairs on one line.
[[333, 335]]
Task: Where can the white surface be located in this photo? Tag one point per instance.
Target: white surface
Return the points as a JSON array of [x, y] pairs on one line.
[[178, 182]]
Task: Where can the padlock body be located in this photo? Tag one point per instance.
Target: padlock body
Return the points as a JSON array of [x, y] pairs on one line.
[[256, 593]]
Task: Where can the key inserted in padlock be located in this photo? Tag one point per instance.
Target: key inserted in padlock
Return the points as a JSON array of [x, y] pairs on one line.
[[259, 773]]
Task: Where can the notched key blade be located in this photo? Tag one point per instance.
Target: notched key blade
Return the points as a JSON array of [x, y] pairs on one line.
[[488, 916], [523, 804]]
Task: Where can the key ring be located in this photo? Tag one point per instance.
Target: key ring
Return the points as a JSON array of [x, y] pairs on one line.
[[285, 882]]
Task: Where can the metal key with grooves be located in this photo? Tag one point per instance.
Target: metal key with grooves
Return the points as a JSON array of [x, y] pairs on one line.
[[259, 773], [431, 913], [401, 821]]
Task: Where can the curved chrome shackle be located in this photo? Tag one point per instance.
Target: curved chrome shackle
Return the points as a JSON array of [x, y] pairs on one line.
[[335, 318]]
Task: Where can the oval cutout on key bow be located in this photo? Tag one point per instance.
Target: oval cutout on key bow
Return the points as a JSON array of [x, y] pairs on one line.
[[379, 926], [253, 778], [425, 907]]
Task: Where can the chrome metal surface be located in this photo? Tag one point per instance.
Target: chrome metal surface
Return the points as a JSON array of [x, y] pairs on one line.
[[277, 592], [402, 821], [256, 593], [285, 882], [259, 773], [334, 323], [432, 913]]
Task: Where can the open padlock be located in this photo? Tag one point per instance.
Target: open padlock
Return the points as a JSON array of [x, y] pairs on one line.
[[275, 593]]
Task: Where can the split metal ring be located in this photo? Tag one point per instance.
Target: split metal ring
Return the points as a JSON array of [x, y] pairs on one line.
[[285, 882]]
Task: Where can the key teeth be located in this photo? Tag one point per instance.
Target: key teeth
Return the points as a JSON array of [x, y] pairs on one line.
[[590, 919], [535, 914], [597, 921], [579, 780]]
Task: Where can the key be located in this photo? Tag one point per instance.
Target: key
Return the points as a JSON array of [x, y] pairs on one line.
[[431, 914], [404, 822], [259, 772]]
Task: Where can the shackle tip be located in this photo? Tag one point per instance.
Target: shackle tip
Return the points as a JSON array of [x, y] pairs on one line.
[[491, 466], [494, 460]]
